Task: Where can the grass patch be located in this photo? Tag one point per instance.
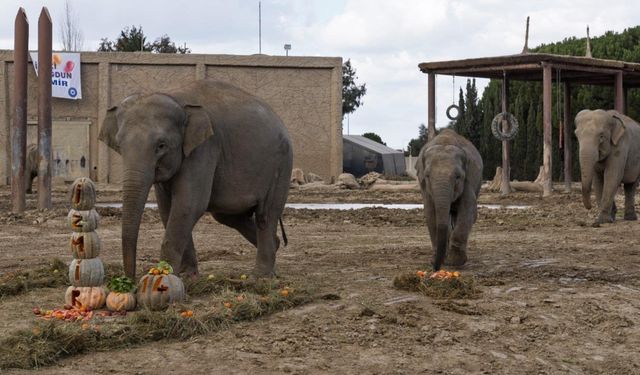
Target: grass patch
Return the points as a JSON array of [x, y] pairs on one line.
[[53, 275], [222, 301], [456, 288]]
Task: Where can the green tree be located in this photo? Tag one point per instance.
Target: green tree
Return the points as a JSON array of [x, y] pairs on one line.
[[416, 144], [351, 93], [374, 137], [132, 39]]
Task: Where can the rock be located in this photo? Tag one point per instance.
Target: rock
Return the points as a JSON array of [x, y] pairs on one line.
[[312, 177], [515, 320], [348, 181], [369, 179], [297, 176]]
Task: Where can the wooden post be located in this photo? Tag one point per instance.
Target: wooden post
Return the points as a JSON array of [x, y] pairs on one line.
[[568, 126], [431, 106], [44, 109], [19, 129], [546, 121], [619, 93], [505, 187]]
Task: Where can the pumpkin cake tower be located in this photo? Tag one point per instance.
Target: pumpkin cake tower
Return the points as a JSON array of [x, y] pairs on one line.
[[86, 272]]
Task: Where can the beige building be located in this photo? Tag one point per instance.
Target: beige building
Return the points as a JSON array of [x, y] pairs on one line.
[[306, 92]]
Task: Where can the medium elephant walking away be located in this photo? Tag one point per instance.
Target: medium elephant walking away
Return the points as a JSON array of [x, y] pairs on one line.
[[449, 170], [206, 147], [609, 155]]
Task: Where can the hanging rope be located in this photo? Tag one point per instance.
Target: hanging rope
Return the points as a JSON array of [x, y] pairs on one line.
[[453, 100]]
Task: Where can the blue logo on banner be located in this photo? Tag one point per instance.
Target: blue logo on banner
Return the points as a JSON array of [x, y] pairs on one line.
[[73, 92]]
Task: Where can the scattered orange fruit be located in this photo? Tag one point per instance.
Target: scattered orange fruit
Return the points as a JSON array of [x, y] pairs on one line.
[[240, 297], [187, 314], [227, 304], [444, 275], [284, 292], [243, 277], [421, 274]]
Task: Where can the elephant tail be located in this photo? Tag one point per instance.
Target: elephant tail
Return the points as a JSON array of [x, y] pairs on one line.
[[284, 235]]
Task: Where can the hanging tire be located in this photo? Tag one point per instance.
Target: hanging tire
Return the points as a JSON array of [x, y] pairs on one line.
[[449, 116], [496, 126]]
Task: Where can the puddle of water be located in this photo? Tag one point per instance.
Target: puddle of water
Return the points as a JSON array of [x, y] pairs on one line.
[[339, 206]]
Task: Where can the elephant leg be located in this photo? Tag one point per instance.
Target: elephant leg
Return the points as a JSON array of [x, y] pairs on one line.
[[611, 181], [245, 224], [267, 244], [465, 217], [629, 201], [430, 218]]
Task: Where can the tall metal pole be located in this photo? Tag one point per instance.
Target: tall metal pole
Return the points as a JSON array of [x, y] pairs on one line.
[[44, 109], [505, 187], [568, 125], [260, 27], [19, 129], [431, 106], [546, 121]]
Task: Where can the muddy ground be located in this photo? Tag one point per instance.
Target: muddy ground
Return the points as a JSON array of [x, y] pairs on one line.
[[558, 295]]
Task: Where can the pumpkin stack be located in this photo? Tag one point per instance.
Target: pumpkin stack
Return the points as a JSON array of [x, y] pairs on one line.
[[86, 272]]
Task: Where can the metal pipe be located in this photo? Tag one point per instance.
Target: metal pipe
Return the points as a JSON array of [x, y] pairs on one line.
[[505, 188], [546, 121], [19, 129], [431, 106], [44, 109], [568, 125]]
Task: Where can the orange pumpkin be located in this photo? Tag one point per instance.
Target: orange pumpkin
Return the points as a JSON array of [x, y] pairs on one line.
[[83, 221], [79, 296], [121, 301], [83, 194], [86, 272], [85, 245], [156, 292]]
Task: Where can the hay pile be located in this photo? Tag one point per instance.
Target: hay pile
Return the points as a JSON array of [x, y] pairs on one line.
[[222, 300], [50, 276], [455, 288]]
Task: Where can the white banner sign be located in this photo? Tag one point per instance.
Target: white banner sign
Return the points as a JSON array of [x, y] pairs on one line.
[[65, 74]]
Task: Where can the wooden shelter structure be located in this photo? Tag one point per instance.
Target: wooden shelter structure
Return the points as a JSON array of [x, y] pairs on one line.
[[574, 70]]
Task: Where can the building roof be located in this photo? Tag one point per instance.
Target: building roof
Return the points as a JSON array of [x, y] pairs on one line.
[[369, 144], [528, 67]]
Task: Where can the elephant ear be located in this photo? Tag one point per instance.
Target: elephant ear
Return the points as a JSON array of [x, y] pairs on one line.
[[110, 129], [198, 129], [618, 130]]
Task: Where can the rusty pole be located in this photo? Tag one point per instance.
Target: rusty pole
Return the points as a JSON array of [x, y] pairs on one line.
[[19, 130], [431, 106], [546, 122], [568, 125], [44, 109], [505, 188], [619, 93]]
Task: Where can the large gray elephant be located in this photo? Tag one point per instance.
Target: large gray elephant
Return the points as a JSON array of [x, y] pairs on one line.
[[31, 167], [449, 170], [206, 147], [609, 155]]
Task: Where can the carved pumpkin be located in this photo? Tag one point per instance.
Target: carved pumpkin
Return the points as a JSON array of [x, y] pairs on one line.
[[83, 194], [85, 245], [156, 292], [93, 297], [83, 221], [121, 301], [86, 272]]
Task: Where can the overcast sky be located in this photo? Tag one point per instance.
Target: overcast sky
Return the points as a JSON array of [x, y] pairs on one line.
[[384, 39]]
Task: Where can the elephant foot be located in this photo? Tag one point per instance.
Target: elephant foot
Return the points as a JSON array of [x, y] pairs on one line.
[[603, 218], [264, 272], [632, 216], [455, 258], [190, 272]]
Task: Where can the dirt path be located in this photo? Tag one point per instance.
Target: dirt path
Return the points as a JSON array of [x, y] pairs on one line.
[[558, 296]]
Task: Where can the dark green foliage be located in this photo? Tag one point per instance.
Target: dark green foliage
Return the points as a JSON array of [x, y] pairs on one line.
[[525, 102], [415, 144], [132, 39], [374, 137], [351, 93]]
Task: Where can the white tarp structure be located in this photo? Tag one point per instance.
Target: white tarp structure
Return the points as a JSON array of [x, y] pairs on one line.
[[65, 74]]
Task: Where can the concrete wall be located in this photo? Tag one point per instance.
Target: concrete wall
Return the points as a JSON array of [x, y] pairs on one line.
[[306, 92]]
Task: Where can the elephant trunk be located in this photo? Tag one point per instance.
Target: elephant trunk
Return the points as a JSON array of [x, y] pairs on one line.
[[588, 160], [443, 227], [135, 189]]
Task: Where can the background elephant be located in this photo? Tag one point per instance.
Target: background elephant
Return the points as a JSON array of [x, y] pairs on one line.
[[449, 170], [31, 167], [609, 155], [207, 147]]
